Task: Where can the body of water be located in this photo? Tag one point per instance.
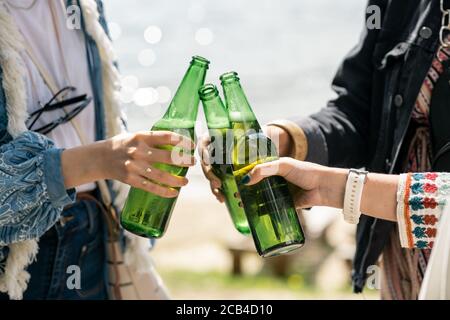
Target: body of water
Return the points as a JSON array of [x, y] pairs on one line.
[[286, 52]]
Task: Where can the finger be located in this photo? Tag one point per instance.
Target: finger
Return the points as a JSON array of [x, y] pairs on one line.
[[140, 182], [160, 138], [174, 157], [302, 200], [213, 179], [203, 151], [281, 167], [159, 176], [262, 171], [203, 145], [218, 193]]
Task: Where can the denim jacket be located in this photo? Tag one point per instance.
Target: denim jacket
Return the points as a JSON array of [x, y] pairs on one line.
[[32, 192]]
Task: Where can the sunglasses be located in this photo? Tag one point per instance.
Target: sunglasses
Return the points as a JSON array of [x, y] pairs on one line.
[[79, 103]]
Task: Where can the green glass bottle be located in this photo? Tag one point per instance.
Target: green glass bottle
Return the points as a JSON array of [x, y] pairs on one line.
[[147, 214], [221, 135], [268, 205]]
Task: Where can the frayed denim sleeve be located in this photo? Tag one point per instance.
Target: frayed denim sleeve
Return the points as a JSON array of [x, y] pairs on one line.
[[32, 193]]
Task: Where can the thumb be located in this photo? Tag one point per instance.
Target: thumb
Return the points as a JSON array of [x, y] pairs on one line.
[[203, 151], [264, 170]]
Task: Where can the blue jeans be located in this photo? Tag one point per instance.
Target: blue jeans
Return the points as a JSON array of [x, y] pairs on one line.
[[77, 240]]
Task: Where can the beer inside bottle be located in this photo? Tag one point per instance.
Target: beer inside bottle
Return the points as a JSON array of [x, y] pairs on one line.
[[268, 205], [221, 140], [145, 213]]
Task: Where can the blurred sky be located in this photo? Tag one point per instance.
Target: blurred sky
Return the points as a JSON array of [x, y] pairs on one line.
[[285, 51]]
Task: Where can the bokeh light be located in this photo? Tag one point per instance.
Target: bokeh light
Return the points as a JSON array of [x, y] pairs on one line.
[[146, 57], [130, 81], [153, 34], [129, 84], [164, 94], [127, 94], [204, 36], [145, 96]]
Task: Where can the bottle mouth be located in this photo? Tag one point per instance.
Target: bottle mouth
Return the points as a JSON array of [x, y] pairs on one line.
[[200, 61], [208, 91], [228, 77]]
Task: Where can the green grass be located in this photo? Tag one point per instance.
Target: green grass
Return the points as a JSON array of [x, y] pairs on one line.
[[217, 285], [206, 279]]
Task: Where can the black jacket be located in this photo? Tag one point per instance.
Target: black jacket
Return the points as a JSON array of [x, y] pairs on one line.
[[377, 85]]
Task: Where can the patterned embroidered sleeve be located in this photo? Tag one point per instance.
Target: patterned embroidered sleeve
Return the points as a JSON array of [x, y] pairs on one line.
[[421, 198], [32, 193]]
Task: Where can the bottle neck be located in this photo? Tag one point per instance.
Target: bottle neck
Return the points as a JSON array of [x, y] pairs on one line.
[[215, 113], [183, 109], [239, 109]]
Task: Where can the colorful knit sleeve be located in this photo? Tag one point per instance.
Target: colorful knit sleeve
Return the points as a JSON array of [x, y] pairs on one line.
[[421, 198]]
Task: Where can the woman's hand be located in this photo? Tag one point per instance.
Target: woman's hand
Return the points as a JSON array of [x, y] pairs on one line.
[[279, 136], [129, 158], [214, 181], [318, 185], [324, 186]]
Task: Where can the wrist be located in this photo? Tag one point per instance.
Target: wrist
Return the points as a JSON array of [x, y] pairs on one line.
[[102, 160], [332, 186], [83, 164]]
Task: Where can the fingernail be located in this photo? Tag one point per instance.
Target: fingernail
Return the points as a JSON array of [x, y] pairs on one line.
[[245, 179]]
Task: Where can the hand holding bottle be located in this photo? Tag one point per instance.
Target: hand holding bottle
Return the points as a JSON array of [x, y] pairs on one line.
[[147, 213], [325, 186], [311, 179], [132, 158], [214, 181], [217, 156], [129, 158], [280, 137]]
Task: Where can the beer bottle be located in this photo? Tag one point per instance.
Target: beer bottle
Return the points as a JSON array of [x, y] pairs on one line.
[[268, 205], [219, 128], [145, 213]]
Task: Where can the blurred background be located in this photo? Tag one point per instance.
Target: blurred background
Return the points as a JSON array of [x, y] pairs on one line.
[[286, 53]]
